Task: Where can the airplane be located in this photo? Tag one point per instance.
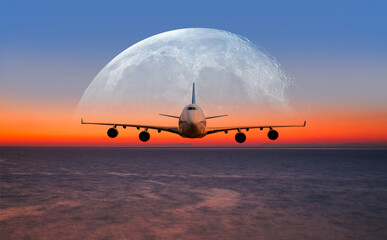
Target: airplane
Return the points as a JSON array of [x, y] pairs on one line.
[[192, 124]]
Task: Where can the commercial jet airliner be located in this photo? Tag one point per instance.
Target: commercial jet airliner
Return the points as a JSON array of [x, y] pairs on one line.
[[192, 124]]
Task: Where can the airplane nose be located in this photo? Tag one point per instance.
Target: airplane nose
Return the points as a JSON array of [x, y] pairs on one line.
[[193, 119], [191, 127], [192, 130]]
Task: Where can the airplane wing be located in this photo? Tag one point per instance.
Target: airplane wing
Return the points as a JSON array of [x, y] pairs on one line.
[[226, 129], [146, 127]]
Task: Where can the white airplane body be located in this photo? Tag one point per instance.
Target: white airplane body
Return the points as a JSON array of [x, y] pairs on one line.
[[192, 124]]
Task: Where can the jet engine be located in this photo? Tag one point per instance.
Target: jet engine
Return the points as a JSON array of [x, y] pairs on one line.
[[272, 134], [112, 132], [144, 136], [240, 137]]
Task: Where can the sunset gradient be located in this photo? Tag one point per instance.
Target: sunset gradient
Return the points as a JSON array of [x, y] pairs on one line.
[[51, 52], [31, 126]]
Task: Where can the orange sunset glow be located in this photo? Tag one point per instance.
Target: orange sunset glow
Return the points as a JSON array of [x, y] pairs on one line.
[[52, 126]]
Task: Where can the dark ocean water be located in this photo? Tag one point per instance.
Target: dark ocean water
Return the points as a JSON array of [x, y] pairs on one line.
[[100, 193]]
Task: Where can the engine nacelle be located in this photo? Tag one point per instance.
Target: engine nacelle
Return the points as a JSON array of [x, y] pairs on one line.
[[240, 137], [144, 136], [112, 132], [272, 134]]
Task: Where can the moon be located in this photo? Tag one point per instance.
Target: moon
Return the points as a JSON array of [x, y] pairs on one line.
[[156, 74]]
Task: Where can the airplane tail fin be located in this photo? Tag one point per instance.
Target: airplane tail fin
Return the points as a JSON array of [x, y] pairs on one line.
[[193, 94]]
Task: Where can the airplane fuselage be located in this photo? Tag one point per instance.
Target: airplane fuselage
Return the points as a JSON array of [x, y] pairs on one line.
[[192, 122]]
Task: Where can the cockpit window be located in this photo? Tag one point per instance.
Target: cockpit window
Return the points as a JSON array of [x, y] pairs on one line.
[[191, 108]]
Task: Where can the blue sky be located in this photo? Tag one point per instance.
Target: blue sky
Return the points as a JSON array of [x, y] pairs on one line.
[[55, 48], [288, 24]]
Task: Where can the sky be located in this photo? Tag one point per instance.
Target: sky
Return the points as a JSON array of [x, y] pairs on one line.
[[335, 51]]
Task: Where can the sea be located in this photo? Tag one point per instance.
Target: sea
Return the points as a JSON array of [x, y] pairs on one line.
[[193, 193]]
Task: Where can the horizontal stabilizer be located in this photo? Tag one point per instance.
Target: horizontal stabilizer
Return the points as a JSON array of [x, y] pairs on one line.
[[217, 116], [165, 115]]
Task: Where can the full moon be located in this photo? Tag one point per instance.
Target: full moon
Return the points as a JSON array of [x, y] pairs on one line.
[[155, 76]]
